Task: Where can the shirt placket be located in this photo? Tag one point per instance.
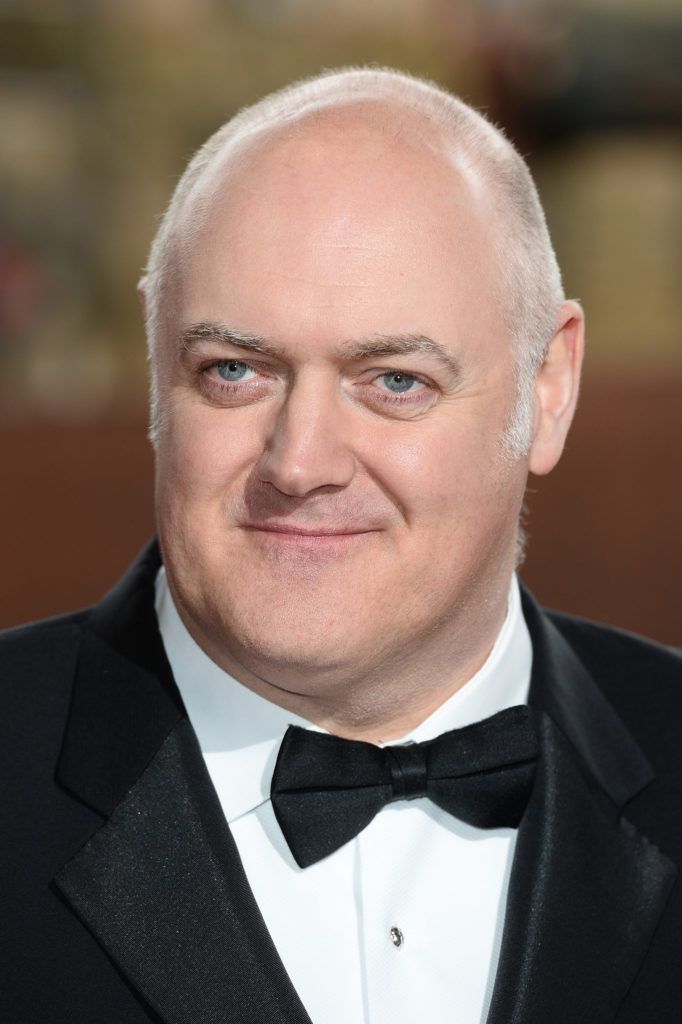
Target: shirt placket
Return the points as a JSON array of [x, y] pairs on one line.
[[388, 975]]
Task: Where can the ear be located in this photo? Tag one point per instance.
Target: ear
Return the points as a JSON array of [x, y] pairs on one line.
[[142, 293], [556, 389]]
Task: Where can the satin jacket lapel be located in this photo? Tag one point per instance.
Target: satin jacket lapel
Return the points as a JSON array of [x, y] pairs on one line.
[[586, 890], [160, 884], [162, 887]]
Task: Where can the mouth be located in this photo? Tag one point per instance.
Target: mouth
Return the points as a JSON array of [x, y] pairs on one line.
[[321, 532], [308, 541]]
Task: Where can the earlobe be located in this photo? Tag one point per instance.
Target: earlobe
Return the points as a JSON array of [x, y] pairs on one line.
[[142, 293], [556, 389]]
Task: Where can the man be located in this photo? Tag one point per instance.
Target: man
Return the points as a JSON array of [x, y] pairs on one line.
[[359, 348]]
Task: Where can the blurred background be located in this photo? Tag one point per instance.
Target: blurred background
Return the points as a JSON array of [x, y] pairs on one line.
[[101, 104]]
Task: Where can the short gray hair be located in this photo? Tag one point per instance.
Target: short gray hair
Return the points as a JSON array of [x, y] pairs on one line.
[[529, 274]]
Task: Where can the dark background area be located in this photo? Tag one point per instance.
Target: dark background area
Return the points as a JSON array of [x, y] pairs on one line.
[[102, 104]]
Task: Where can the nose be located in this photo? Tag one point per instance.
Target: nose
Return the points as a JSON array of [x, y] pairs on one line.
[[306, 447]]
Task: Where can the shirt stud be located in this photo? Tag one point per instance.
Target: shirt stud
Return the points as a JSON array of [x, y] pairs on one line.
[[397, 937]]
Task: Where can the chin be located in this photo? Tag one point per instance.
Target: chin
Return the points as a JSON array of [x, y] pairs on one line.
[[284, 657], [266, 632]]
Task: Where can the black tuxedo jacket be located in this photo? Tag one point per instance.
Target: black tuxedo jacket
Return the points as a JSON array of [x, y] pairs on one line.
[[124, 898]]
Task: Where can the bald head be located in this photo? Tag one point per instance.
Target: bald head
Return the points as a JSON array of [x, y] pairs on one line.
[[355, 145], [342, 342]]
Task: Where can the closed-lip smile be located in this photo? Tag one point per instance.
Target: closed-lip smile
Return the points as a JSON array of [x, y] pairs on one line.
[[288, 529]]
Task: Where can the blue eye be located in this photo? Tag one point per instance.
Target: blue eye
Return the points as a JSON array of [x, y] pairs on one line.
[[233, 370], [398, 382]]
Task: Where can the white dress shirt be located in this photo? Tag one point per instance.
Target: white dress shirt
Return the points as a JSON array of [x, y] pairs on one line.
[[403, 924]]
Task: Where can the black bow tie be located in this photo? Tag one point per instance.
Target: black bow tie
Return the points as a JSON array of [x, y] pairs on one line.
[[325, 789]]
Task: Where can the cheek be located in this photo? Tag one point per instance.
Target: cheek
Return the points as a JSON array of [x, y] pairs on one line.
[[446, 475], [203, 450]]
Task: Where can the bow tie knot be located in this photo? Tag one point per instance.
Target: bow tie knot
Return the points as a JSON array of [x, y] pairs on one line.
[[406, 763], [325, 789]]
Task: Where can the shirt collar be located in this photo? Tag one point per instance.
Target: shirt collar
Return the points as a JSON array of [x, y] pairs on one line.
[[240, 732]]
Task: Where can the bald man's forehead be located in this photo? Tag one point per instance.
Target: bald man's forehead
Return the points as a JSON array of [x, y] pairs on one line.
[[329, 139], [322, 196]]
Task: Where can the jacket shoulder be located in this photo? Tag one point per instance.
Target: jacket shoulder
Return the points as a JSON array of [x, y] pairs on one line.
[[18, 641], [611, 647], [641, 679], [37, 660]]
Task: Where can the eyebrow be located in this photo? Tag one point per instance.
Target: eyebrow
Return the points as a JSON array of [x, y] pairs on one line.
[[400, 345], [197, 333], [355, 350]]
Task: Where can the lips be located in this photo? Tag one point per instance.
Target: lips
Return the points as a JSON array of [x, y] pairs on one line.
[[289, 529]]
